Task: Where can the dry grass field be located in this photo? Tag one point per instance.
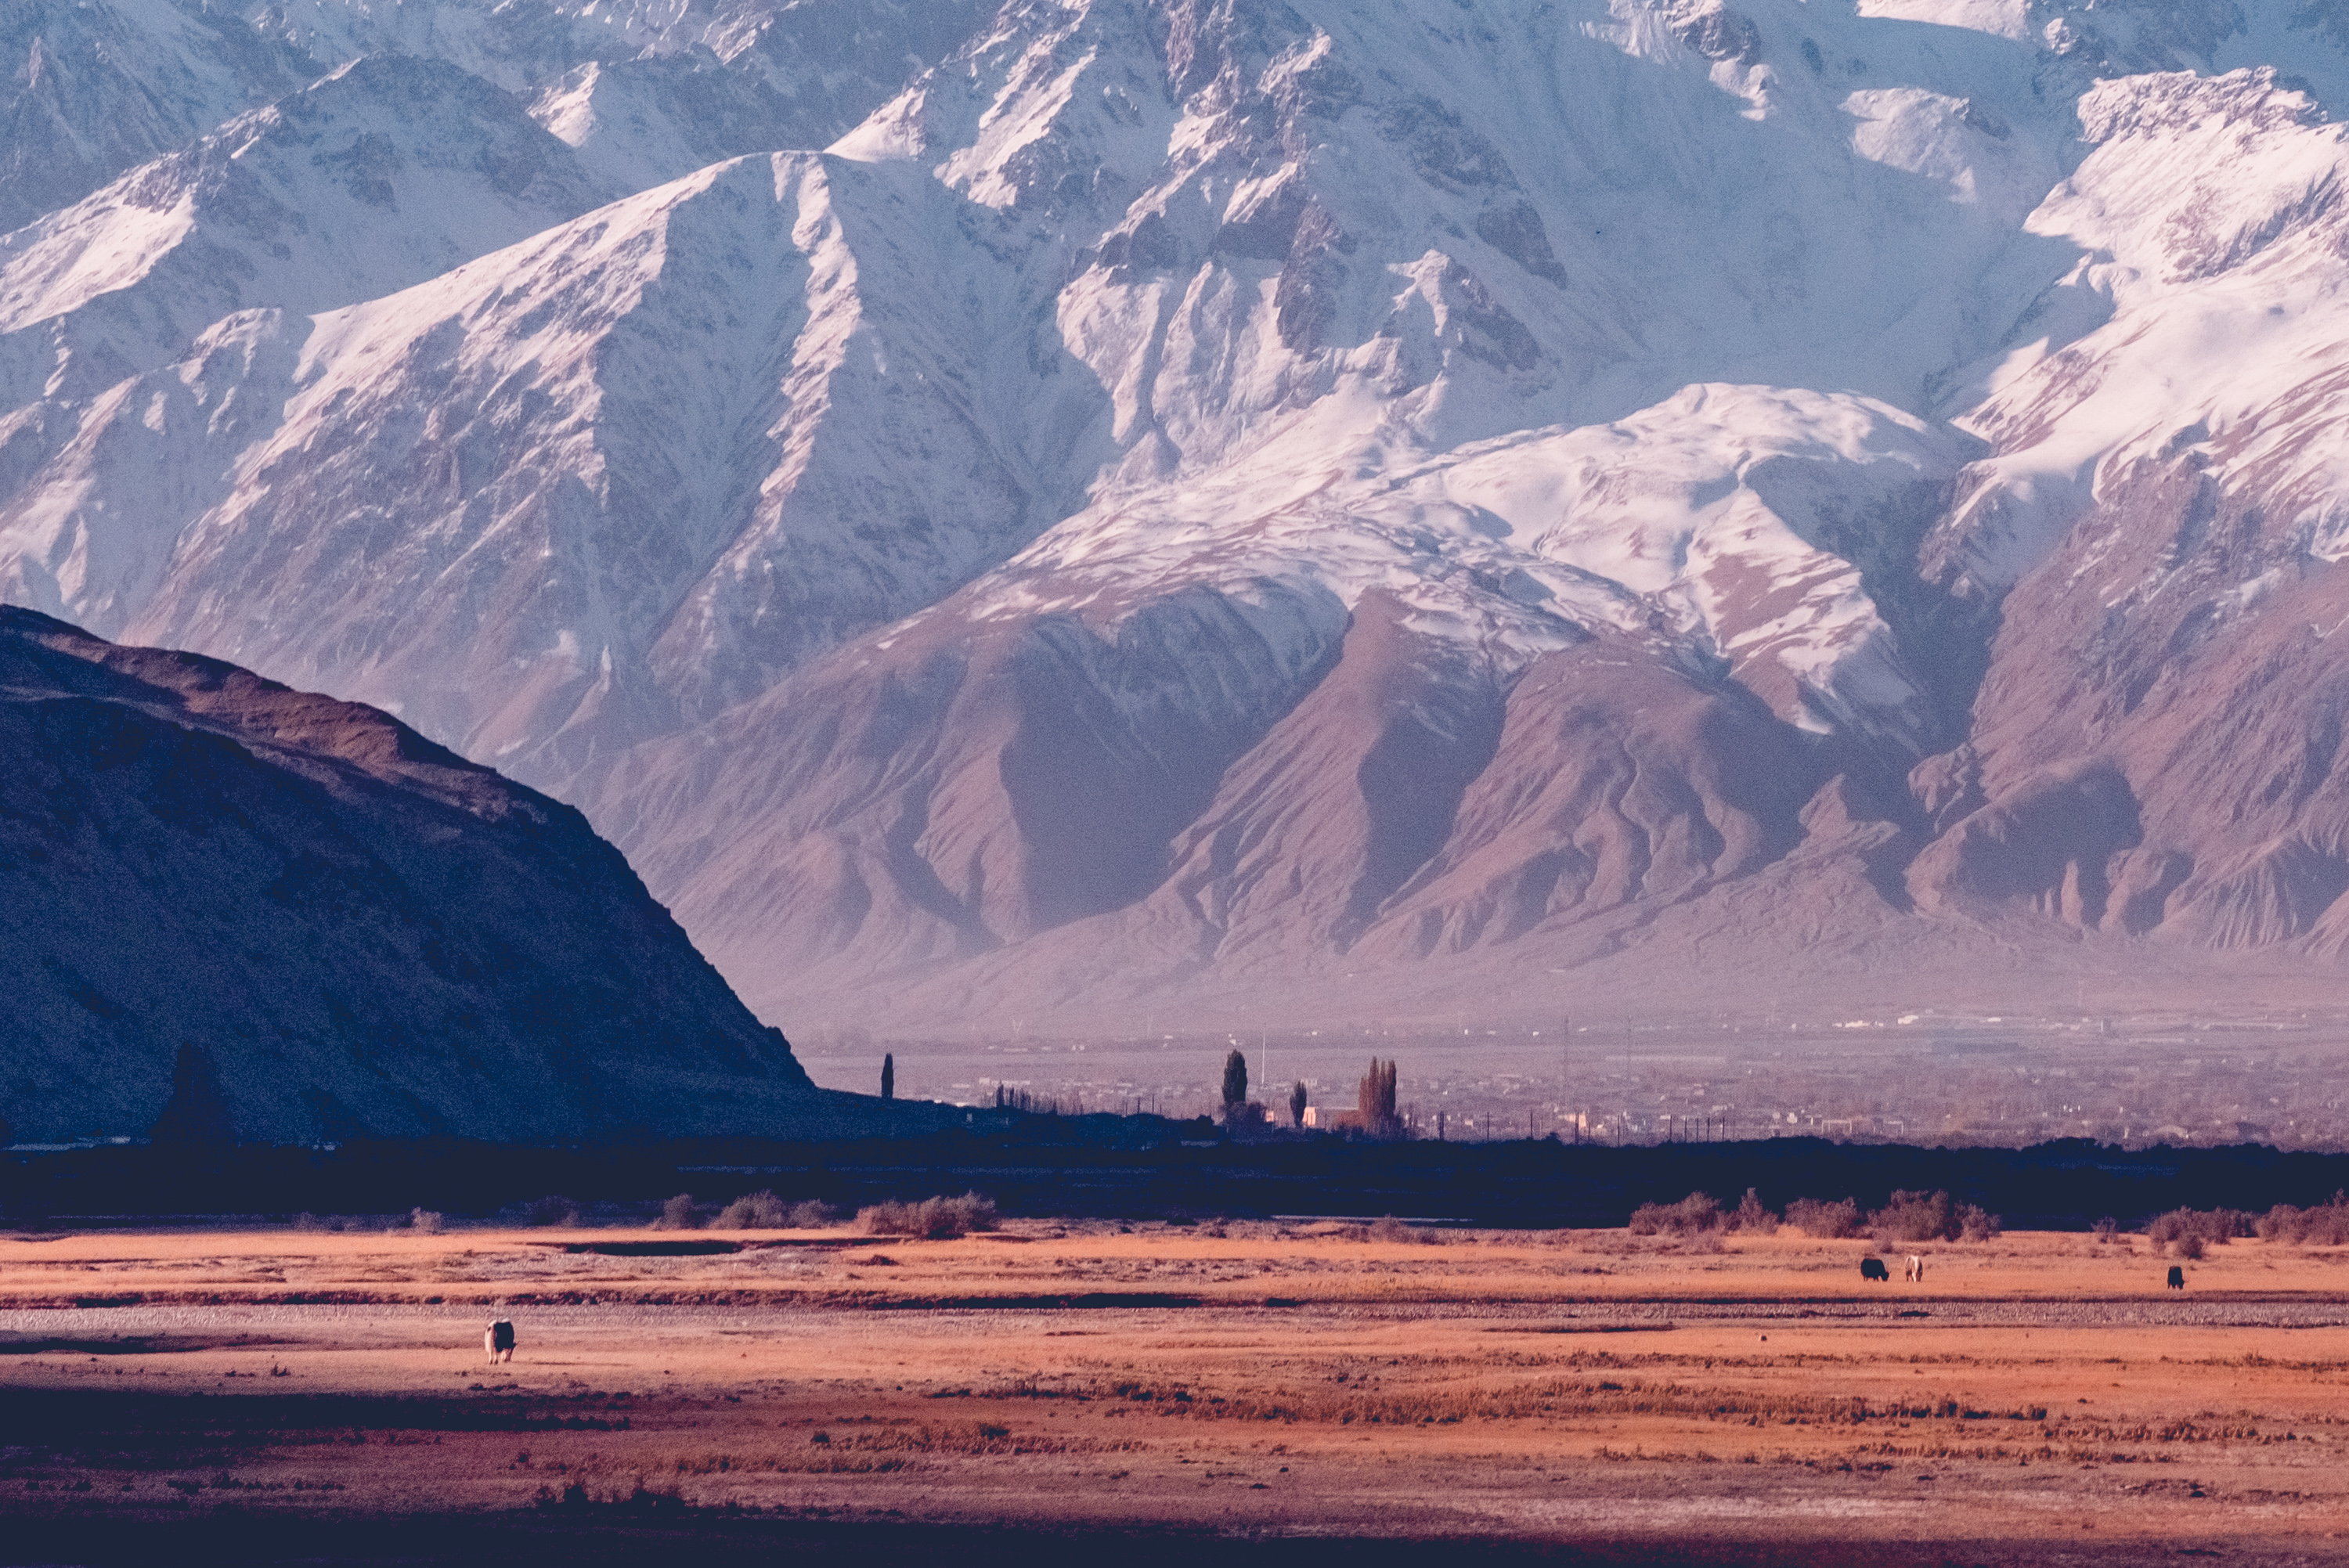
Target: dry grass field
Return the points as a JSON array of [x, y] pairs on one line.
[[2036, 1397]]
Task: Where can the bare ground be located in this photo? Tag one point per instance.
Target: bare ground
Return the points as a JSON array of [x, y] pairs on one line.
[[1165, 1391]]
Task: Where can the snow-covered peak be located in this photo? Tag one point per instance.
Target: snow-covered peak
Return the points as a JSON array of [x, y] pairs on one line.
[[91, 87], [388, 170], [2209, 226]]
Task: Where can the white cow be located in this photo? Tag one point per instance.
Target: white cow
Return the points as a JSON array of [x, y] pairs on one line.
[[1915, 1268]]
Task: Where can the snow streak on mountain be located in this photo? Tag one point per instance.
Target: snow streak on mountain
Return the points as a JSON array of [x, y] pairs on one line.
[[1283, 509]]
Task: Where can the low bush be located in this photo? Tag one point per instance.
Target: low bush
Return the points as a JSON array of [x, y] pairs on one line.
[[2210, 1227], [678, 1215], [1387, 1228], [551, 1211], [425, 1221], [1977, 1225], [939, 1219], [2109, 1230], [765, 1211], [1915, 1217], [1690, 1216], [1825, 1222], [1752, 1217], [2326, 1226], [753, 1211], [307, 1221]]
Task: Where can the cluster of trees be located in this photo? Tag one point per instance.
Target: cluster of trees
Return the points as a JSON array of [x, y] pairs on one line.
[[1374, 1100], [1907, 1217], [1241, 1112]]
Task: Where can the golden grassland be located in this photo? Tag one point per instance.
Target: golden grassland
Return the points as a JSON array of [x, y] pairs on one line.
[[2034, 1392]]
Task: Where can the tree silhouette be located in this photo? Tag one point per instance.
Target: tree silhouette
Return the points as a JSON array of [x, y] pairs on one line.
[[197, 1113], [1235, 1078], [889, 1075], [1374, 1099], [1297, 1104]]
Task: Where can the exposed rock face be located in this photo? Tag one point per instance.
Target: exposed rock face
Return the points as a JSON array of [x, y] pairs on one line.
[[362, 933], [1274, 508]]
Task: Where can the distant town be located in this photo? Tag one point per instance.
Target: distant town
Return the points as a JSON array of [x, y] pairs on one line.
[[1906, 1079]]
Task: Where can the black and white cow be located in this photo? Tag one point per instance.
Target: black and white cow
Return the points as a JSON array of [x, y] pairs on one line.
[[498, 1340]]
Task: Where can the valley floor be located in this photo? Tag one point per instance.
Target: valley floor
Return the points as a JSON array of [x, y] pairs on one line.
[[1055, 1392]]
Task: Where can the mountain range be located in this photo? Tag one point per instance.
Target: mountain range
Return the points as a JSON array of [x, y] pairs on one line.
[[1267, 511]]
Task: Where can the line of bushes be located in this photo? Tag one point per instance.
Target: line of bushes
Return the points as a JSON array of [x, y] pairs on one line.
[[1907, 1217], [1911, 1217], [935, 1218], [2187, 1233]]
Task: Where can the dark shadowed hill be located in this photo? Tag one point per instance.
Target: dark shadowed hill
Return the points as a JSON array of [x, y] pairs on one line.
[[359, 932]]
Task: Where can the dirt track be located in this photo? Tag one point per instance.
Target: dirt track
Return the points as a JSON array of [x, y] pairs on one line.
[[2032, 1401]]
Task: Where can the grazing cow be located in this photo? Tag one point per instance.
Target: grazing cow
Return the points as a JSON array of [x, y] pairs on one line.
[[1916, 1269], [498, 1340], [2176, 1277], [1873, 1268]]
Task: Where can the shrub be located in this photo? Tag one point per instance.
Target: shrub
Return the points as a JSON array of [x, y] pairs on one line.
[[1387, 1228], [1976, 1224], [307, 1221], [1691, 1215], [1750, 1216], [2211, 1227], [550, 1211], [1915, 1217], [678, 1214], [2188, 1245], [939, 1219], [2107, 1231], [1826, 1222], [425, 1221], [753, 1211], [2326, 1226], [765, 1211]]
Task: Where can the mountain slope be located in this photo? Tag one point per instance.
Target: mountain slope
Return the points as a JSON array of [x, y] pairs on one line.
[[365, 934], [92, 90]]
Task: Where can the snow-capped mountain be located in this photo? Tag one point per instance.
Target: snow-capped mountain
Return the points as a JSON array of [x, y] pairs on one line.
[[1282, 505]]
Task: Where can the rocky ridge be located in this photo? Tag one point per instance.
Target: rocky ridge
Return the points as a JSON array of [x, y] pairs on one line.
[[361, 933]]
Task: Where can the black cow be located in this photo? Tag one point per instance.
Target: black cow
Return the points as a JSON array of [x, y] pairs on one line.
[[1873, 1268], [2176, 1277]]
